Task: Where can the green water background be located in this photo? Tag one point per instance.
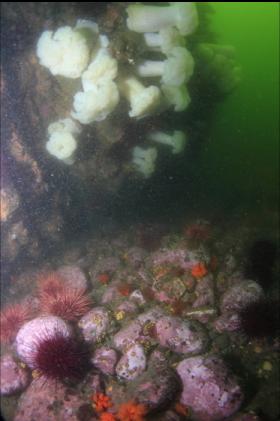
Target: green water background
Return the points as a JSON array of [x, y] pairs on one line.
[[240, 161]]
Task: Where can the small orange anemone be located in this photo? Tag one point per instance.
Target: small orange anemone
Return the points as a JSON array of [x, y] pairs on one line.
[[181, 409], [103, 278], [107, 416], [199, 270], [101, 402], [131, 411], [125, 289]]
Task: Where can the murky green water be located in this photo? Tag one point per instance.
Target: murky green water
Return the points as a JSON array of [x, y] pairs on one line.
[[241, 159]]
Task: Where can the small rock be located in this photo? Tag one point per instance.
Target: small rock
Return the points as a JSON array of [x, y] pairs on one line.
[[112, 293], [127, 307], [132, 363], [14, 378], [74, 276], [182, 337], [105, 360], [228, 322], [240, 295], [94, 324], [204, 292], [128, 335], [137, 297], [9, 202]]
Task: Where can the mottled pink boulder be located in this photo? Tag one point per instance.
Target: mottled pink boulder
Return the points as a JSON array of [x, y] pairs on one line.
[[183, 337], [95, 324], [50, 401], [240, 295], [246, 417], [74, 276], [150, 316], [137, 297], [132, 363], [227, 322], [135, 257], [105, 360], [177, 257], [205, 292], [208, 388], [13, 377], [127, 307], [128, 335], [162, 297], [108, 265], [158, 386], [135, 331], [110, 295]]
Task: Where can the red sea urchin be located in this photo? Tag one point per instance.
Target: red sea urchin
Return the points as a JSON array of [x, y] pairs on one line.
[[69, 303], [11, 319], [47, 344], [50, 283]]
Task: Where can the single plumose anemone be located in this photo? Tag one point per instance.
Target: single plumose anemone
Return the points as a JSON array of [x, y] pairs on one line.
[[62, 139], [178, 96], [96, 103], [165, 40], [144, 159], [143, 100], [177, 141], [260, 319], [176, 70], [102, 68], [146, 18], [65, 52], [47, 344]]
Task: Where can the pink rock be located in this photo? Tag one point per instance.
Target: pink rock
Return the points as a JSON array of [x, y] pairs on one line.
[[107, 264], [74, 276], [240, 295], [208, 388], [94, 324], [162, 297], [132, 363], [13, 377], [204, 292], [150, 316], [182, 337], [127, 307], [227, 322], [246, 417], [177, 257], [159, 385], [135, 256], [110, 295], [137, 297], [129, 335], [50, 401], [105, 360]]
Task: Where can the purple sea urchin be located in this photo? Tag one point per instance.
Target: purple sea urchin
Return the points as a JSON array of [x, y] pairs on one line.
[[47, 344], [61, 358]]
